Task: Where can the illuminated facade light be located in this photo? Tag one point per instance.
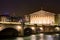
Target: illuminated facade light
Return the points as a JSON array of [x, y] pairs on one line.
[[33, 28], [42, 17], [19, 27], [0, 28], [57, 28], [41, 28], [4, 19]]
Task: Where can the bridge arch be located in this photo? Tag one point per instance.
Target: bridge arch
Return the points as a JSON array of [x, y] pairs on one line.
[[9, 32], [27, 31]]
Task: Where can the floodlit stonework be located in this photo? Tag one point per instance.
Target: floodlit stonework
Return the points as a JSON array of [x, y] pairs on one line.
[[41, 17]]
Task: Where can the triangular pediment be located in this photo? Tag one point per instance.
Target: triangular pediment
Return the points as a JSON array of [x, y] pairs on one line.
[[42, 12]]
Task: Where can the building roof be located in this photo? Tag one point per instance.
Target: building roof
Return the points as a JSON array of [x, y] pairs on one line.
[[42, 12]]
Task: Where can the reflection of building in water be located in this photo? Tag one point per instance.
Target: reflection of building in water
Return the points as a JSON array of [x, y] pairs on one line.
[[49, 37], [41, 17]]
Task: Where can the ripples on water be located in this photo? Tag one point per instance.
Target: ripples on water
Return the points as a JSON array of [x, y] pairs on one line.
[[36, 37]]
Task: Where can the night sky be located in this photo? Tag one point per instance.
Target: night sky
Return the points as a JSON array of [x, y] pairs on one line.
[[22, 7]]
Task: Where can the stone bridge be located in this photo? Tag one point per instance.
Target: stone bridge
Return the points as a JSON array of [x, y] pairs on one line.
[[5, 27], [19, 30], [8, 29]]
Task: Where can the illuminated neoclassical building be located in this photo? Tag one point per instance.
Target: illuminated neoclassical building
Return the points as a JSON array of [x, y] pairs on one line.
[[41, 17]]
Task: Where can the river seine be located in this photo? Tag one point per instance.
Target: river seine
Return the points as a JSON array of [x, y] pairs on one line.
[[36, 37]]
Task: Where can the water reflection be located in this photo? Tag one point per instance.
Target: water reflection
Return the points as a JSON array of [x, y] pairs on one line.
[[19, 38], [33, 37], [37, 37], [49, 37], [27, 38], [57, 37], [40, 36]]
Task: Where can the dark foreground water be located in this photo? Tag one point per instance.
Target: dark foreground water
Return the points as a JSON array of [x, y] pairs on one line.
[[36, 37]]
